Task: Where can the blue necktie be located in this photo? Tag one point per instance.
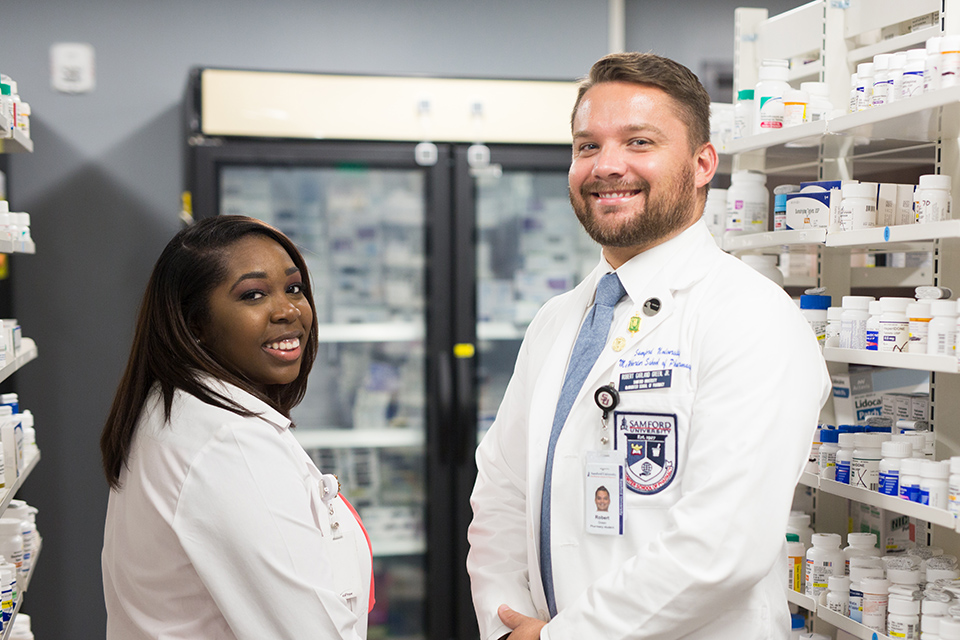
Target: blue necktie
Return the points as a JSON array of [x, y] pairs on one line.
[[589, 344]]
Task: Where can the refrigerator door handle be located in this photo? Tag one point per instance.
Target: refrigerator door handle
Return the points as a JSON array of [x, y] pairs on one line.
[[463, 445], [445, 395]]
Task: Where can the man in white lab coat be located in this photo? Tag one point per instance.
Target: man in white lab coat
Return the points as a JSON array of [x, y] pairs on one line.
[[700, 407]]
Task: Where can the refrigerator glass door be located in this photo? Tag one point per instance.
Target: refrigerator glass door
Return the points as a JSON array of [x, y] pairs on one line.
[[530, 247], [361, 231]]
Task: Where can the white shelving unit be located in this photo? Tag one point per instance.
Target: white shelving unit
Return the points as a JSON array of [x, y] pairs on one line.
[[913, 136]]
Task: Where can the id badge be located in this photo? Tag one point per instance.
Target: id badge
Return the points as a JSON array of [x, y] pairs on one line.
[[603, 493]]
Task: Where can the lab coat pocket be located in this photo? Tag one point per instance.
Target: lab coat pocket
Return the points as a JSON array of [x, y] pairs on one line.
[[651, 432]]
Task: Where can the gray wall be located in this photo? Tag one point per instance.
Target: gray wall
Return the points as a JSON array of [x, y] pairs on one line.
[[103, 185]]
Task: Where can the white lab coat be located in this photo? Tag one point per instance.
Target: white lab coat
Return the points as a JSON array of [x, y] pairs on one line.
[[219, 531], [701, 557]]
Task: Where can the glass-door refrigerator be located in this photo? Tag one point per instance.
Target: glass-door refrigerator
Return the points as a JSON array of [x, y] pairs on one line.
[[426, 270]]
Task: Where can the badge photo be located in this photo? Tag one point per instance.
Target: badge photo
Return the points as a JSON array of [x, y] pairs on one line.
[[648, 444]]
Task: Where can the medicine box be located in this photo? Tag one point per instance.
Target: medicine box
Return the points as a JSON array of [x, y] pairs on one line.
[[895, 532], [859, 392], [811, 207]]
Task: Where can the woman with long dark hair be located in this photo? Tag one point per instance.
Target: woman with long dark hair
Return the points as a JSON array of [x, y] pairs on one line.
[[218, 524]]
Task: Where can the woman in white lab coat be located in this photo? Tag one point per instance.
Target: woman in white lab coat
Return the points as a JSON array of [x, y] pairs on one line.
[[218, 523]]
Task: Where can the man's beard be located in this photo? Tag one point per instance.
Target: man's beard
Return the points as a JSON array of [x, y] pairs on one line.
[[661, 217]]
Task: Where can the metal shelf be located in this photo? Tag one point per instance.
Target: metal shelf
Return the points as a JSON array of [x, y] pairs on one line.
[[886, 236], [9, 492], [919, 361], [7, 630], [802, 600], [372, 332], [793, 238], [854, 628], [18, 143]]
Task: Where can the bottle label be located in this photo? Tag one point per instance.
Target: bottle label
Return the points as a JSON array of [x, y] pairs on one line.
[[900, 629], [890, 483], [795, 575], [865, 473], [953, 498], [856, 605], [843, 472], [818, 573], [873, 337]]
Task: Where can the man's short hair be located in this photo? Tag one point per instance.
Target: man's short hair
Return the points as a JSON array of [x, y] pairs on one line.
[[691, 99]]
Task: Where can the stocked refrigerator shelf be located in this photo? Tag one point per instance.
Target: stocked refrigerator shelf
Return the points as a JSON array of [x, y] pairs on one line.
[[371, 332], [359, 438]]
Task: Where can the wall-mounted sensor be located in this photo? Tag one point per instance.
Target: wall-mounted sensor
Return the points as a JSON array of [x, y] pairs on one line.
[[71, 67]]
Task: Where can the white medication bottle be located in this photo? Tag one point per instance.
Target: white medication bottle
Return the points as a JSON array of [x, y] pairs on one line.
[[894, 325], [11, 542], [748, 203], [903, 620], [795, 104], [853, 322], [893, 454], [913, 74], [933, 198], [827, 456], [845, 443], [824, 559], [932, 63], [854, 94], [861, 568], [942, 330], [798, 522], [838, 595], [897, 63], [940, 568], [715, 212], [864, 85], [875, 598], [933, 483], [910, 479], [860, 544], [953, 486], [796, 560], [865, 466], [873, 326], [919, 317], [881, 79], [832, 337], [772, 114], [819, 106], [950, 61], [766, 265], [814, 309], [949, 629], [780, 205], [773, 83], [858, 207], [743, 112], [7, 585]]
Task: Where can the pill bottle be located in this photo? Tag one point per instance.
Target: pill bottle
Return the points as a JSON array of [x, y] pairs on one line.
[[765, 265], [854, 94], [795, 104], [953, 486], [893, 454], [853, 322], [11, 542], [950, 61], [838, 595], [858, 207], [819, 107], [942, 332], [780, 205], [796, 560], [904, 618], [910, 479], [932, 64], [940, 568], [715, 212], [860, 544], [865, 466], [913, 74], [827, 456], [875, 598], [894, 325], [814, 309], [935, 608], [748, 203], [773, 83], [797, 626], [933, 198], [861, 568], [846, 444], [873, 326], [798, 522], [8, 584], [949, 629], [919, 317], [832, 336], [897, 63], [772, 114], [864, 85], [743, 112], [881, 79], [824, 559], [933, 483]]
